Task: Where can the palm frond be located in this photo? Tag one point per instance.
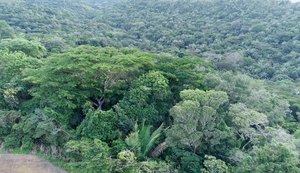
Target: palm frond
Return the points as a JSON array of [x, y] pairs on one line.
[[153, 138]]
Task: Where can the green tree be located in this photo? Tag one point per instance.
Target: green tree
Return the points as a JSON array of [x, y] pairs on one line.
[[148, 100], [40, 129], [196, 119], [183, 73], [247, 123], [186, 161], [276, 107], [12, 67], [30, 48], [270, 158], [127, 163], [89, 156], [85, 76], [214, 165], [99, 124], [236, 85], [5, 30], [7, 120]]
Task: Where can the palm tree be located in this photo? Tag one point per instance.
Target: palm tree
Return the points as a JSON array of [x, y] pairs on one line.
[[142, 140]]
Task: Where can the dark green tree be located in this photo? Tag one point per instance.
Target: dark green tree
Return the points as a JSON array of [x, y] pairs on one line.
[[99, 124], [148, 100]]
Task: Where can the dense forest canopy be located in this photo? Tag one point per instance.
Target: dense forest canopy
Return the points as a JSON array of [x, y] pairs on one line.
[[152, 85], [261, 35]]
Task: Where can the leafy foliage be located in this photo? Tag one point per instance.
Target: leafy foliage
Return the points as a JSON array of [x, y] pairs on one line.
[[85, 75], [270, 158], [219, 91], [142, 140], [248, 124], [12, 66], [146, 100], [7, 120], [92, 155], [42, 130], [99, 125], [196, 119], [5, 30], [213, 165], [30, 48]]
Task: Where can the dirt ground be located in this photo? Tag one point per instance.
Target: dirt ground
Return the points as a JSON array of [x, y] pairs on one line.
[[18, 163]]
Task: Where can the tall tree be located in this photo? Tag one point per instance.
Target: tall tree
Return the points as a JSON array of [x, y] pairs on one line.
[[87, 76], [12, 67], [196, 119], [148, 100], [248, 124]]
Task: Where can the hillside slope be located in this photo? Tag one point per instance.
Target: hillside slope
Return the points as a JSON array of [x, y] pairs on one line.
[[260, 37]]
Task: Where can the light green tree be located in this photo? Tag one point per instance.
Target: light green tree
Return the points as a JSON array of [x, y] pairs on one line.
[[196, 119], [214, 165], [270, 158], [127, 163], [89, 156], [30, 48], [12, 67], [247, 123]]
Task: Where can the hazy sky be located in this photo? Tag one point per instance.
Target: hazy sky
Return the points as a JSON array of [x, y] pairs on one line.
[[295, 0]]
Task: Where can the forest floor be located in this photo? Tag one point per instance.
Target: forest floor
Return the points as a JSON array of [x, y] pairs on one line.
[[20, 163]]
